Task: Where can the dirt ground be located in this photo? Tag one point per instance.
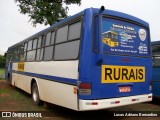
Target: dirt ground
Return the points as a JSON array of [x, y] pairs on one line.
[[15, 100]]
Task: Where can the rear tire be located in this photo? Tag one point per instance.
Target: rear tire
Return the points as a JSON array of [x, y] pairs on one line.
[[35, 95]]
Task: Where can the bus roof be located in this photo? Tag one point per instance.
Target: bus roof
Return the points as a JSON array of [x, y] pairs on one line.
[[155, 42], [92, 10]]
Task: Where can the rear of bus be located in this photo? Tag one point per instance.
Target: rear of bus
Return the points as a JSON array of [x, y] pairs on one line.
[[119, 75]]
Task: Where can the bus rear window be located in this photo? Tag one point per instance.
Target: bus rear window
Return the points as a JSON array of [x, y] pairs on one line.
[[125, 38]]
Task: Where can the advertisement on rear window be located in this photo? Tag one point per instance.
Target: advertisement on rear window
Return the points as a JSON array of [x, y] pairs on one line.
[[125, 38]]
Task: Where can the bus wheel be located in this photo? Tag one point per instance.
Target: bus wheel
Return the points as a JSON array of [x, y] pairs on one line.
[[35, 95]]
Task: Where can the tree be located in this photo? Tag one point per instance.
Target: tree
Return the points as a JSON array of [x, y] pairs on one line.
[[2, 61], [45, 11]]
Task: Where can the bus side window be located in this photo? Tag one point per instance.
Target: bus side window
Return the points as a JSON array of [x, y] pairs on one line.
[[52, 37], [156, 56], [39, 42], [48, 52], [62, 34], [25, 47], [15, 54], [21, 48], [30, 45], [34, 43], [31, 55], [43, 41], [39, 54], [68, 50], [25, 50], [48, 39], [74, 31], [21, 52]]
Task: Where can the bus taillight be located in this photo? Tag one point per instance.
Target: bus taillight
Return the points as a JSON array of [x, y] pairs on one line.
[[85, 88]]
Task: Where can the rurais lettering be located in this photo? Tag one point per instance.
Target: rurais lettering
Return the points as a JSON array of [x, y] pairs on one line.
[[122, 74], [125, 73]]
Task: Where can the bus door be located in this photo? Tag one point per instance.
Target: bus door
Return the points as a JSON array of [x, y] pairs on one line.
[[8, 70]]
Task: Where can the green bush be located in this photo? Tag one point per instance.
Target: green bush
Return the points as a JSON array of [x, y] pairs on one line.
[[2, 61], [2, 73]]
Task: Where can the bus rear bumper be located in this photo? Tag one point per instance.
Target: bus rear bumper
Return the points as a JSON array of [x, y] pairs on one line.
[[113, 102]]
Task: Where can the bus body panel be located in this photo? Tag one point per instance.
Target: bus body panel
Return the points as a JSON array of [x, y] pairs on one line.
[[90, 71], [111, 90], [112, 102], [59, 93], [64, 69], [60, 90], [50, 91], [22, 81]]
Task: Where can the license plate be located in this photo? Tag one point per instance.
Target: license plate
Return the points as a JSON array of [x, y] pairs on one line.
[[119, 74], [124, 89]]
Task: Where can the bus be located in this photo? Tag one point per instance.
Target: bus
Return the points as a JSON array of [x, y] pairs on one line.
[[68, 64], [110, 38], [156, 69]]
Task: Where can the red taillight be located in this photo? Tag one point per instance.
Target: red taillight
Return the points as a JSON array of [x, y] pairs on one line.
[[149, 96], [116, 102], [85, 86], [91, 103], [151, 82], [133, 99], [94, 103]]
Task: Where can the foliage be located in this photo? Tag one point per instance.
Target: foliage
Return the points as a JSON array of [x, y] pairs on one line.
[[2, 73], [45, 11], [2, 61]]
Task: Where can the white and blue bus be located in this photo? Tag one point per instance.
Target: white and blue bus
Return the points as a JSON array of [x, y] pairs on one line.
[[69, 65], [156, 69]]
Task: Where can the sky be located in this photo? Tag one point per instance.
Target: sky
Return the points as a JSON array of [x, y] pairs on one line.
[[14, 27]]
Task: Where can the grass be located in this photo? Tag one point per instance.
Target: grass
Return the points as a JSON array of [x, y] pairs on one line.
[[2, 72], [15, 99]]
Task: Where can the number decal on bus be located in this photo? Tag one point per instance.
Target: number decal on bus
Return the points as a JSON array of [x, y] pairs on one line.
[[20, 66]]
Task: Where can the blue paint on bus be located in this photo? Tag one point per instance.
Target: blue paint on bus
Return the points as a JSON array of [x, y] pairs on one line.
[[90, 71], [156, 68], [49, 77]]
